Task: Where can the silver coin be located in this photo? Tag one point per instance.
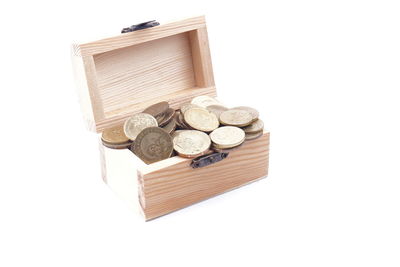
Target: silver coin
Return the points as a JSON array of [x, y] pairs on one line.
[[217, 109], [255, 127], [227, 137], [254, 113], [204, 101], [138, 122], [236, 117], [201, 119], [191, 143]]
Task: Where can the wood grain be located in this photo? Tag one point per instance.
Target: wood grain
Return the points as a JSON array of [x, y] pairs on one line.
[[125, 74], [176, 186]]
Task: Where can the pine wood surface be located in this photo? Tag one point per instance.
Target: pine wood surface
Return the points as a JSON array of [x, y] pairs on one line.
[[172, 184], [122, 75]]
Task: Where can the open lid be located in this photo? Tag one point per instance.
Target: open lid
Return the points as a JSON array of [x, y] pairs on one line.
[[122, 75]]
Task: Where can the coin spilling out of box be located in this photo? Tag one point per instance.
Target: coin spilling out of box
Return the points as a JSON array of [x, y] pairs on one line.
[[166, 142]]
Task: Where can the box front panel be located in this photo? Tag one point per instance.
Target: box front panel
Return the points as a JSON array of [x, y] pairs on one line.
[[178, 186]]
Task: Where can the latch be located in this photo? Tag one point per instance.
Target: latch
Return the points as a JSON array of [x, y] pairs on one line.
[[209, 159]]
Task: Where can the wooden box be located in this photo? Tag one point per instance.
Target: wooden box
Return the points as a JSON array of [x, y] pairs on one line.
[[122, 75]]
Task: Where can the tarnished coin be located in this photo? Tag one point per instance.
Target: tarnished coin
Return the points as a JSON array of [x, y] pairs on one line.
[[227, 137], [201, 119], [118, 146], [254, 113], [236, 117], [191, 143], [204, 101], [252, 136], [157, 109], [114, 135], [188, 106], [167, 117], [153, 144], [135, 124], [217, 109], [170, 127], [255, 127]]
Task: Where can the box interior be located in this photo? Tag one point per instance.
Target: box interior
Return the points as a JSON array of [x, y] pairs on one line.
[[134, 77]]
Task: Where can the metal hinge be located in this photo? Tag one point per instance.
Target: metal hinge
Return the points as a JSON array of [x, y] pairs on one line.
[[140, 26]]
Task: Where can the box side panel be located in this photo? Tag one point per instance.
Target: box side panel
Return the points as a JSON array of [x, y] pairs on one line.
[[82, 88], [119, 169], [178, 186]]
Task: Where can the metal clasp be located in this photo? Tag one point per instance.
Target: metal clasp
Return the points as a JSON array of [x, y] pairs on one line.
[[209, 159], [140, 26]]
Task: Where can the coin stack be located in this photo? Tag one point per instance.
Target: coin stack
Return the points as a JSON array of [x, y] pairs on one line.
[[197, 128]]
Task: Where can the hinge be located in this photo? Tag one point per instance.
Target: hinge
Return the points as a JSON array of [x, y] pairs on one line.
[[140, 26]]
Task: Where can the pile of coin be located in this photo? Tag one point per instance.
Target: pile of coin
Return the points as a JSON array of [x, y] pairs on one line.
[[197, 128]]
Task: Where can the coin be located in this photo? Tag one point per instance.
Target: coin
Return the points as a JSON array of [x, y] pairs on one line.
[[188, 106], [135, 124], [252, 136], [217, 109], [255, 127], [254, 113], [201, 119], [225, 150], [170, 127], [157, 109], [191, 143], [204, 101], [167, 117], [114, 135], [227, 137], [153, 144], [118, 146], [236, 117]]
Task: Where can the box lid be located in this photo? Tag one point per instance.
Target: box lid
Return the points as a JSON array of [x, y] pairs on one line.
[[122, 75]]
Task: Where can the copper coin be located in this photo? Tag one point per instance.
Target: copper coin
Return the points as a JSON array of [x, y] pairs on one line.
[[168, 115], [118, 146], [157, 109], [114, 135], [170, 127], [153, 144]]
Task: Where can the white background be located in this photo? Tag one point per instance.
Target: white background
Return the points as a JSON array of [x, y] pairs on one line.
[[323, 74]]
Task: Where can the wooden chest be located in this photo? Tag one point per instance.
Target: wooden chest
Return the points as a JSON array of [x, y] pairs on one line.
[[122, 75]]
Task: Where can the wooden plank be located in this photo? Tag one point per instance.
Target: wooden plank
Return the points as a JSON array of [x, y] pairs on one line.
[[137, 37], [176, 186]]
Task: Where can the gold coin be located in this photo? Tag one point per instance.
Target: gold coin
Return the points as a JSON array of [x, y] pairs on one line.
[[254, 113], [135, 124], [204, 101], [255, 127], [170, 127], [201, 119], [188, 106], [236, 117], [191, 143], [153, 144], [252, 136], [114, 135], [157, 109], [227, 137], [168, 115], [217, 109]]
